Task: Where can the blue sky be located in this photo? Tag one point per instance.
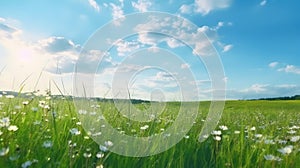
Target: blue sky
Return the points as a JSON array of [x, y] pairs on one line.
[[258, 43]]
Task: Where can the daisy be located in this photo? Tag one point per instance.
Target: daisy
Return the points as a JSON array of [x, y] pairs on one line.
[[286, 150]]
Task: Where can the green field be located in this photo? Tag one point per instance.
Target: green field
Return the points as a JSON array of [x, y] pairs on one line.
[[46, 132]]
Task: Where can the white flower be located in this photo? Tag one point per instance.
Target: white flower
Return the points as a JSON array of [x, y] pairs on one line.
[[217, 138], [269, 141], [223, 127], [87, 155], [294, 127], [282, 141], [82, 112], [291, 132], [12, 128], [103, 148], [74, 131], [100, 155], [252, 128], [4, 122], [237, 132], [295, 138], [286, 150], [272, 157], [216, 133], [26, 164], [48, 144], [108, 143], [25, 103], [144, 127], [4, 151], [258, 135]]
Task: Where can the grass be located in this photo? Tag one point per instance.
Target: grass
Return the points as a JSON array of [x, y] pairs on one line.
[[46, 132]]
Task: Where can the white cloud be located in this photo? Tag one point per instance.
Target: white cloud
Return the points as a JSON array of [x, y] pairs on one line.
[[205, 6], [117, 13], [227, 48], [94, 4], [263, 3], [124, 47], [264, 91], [185, 66], [290, 69], [57, 44], [273, 64], [200, 40], [141, 5], [185, 9]]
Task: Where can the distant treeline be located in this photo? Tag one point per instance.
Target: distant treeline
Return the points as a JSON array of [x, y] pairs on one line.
[[296, 97]]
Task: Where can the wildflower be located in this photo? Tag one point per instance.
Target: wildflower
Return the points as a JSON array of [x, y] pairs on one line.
[[272, 157], [291, 132], [286, 150], [48, 144], [25, 103], [103, 148], [282, 141], [74, 131], [4, 151], [269, 141], [99, 166], [223, 127], [186, 137], [12, 128], [100, 155], [216, 133], [4, 122], [144, 127], [252, 128], [295, 138], [294, 127], [87, 155], [83, 112], [26, 164], [258, 135], [237, 132], [108, 143], [217, 138]]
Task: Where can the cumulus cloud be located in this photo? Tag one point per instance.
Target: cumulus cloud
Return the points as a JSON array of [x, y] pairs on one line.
[[141, 5], [200, 39], [290, 69], [8, 31], [117, 13], [57, 44], [94, 4], [204, 6]]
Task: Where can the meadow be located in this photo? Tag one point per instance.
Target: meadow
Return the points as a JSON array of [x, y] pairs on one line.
[[43, 131]]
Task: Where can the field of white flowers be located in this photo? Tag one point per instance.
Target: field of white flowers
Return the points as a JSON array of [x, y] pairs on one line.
[[43, 131]]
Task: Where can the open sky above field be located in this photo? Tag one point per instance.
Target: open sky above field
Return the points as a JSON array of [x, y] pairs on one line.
[[258, 43]]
